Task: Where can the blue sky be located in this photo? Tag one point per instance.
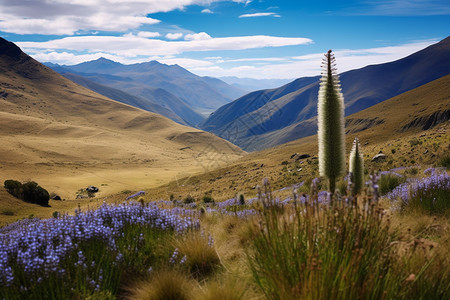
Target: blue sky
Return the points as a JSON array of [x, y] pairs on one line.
[[243, 38]]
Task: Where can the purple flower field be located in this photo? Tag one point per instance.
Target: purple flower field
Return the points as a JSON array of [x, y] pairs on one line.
[[39, 246], [431, 193]]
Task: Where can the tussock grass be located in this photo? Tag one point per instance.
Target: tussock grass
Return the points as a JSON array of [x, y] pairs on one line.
[[164, 285], [224, 290], [201, 259], [341, 251]]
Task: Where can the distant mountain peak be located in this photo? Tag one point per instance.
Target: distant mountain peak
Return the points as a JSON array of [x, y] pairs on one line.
[[106, 61]]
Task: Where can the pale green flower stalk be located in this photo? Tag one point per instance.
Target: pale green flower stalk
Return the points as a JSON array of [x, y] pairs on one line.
[[331, 123], [356, 166]]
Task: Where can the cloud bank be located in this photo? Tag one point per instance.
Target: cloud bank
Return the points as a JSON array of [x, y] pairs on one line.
[[62, 17]]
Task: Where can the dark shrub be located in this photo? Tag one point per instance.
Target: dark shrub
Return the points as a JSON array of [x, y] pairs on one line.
[[241, 199], [34, 193], [208, 199], [445, 162], [189, 199], [13, 187], [7, 212]]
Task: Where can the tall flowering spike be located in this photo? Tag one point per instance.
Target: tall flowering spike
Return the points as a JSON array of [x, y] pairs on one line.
[[331, 123], [356, 166]]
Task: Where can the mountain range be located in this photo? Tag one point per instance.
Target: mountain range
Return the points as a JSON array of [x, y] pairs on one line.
[[267, 118], [169, 90], [66, 136]]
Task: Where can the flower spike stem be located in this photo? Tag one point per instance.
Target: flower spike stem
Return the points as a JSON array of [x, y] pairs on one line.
[[331, 132], [356, 166]]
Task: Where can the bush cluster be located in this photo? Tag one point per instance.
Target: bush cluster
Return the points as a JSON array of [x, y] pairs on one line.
[[389, 181], [29, 191]]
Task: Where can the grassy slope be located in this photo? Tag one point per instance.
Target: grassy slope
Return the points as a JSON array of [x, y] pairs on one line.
[[66, 137], [395, 113]]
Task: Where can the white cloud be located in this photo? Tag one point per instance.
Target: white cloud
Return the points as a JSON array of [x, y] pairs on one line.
[[258, 59], [132, 45], [351, 59], [207, 11], [62, 17], [174, 36], [264, 14], [309, 65], [148, 34], [197, 36], [71, 24]]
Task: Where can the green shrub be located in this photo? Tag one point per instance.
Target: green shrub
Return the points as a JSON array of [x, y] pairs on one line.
[[415, 142], [208, 199], [189, 199], [445, 161], [389, 181], [34, 193], [13, 187], [29, 191], [241, 199]]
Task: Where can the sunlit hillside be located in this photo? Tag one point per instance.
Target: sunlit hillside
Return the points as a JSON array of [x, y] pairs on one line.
[[67, 137]]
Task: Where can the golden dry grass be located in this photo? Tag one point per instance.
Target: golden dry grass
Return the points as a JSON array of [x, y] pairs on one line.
[[243, 175], [66, 137]]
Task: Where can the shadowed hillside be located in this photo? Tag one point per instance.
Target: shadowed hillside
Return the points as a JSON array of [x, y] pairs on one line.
[[271, 117]]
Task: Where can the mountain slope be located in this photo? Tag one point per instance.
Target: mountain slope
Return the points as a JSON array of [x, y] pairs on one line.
[[264, 118], [115, 87], [125, 98], [419, 109], [411, 129], [203, 94], [65, 136]]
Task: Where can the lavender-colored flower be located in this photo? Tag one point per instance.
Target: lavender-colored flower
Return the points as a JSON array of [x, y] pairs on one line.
[[38, 246], [174, 256], [140, 193]]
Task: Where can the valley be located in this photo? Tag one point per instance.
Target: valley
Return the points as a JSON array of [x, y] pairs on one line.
[[67, 137]]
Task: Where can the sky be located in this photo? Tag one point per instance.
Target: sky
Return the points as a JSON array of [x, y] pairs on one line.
[[261, 39]]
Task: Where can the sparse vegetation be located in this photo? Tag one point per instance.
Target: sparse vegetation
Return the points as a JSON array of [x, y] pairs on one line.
[[389, 181], [445, 161], [7, 212], [427, 196]]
